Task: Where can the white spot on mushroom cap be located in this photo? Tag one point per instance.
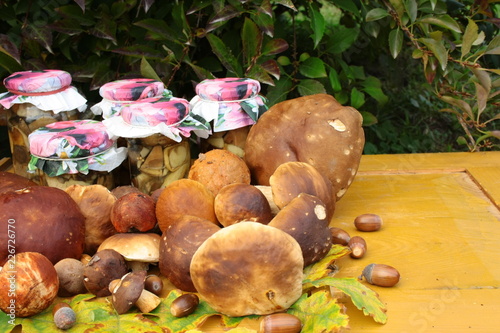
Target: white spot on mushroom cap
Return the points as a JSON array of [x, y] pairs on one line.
[[320, 212], [337, 124]]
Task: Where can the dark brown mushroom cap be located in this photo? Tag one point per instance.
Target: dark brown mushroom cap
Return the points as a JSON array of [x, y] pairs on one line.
[[10, 182], [104, 267], [177, 246], [70, 273], [241, 202], [128, 291], [46, 220], [304, 218], [134, 211], [248, 268], [292, 178]]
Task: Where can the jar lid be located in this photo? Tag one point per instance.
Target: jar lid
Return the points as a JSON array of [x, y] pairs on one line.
[[131, 89], [37, 82], [154, 111], [70, 139], [228, 89]]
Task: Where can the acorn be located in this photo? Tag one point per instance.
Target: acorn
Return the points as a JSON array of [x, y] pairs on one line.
[[64, 316], [380, 275], [339, 236], [280, 323], [153, 284], [368, 222], [358, 247], [184, 305]]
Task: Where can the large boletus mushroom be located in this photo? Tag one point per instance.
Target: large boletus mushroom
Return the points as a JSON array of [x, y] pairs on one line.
[[95, 202], [178, 244], [134, 211], [45, 220], [10, 182], [305, 219], [315, 129], [104, 267], [248, 268]]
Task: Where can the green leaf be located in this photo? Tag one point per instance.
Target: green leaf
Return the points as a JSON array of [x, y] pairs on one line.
[[286, 3], [201, 73], [411, 7], [224, 55], [459, 103], [373, 87], [333, 76], [342, 39], [9, 64], [362, 297], [369, 118], [264, 22], [159, 28], [376, 14], [259, 73], [357, 98], [271, 67], [347, 5], [275, 46], [317, 25], [470, 35], [481, 97], [395, 42], [42, 35], [251, 38], [313, 68], [147, 70], [319, 313], [484, 78], [493, 46], [438, 49], [399, 6], [443, 21], [310, 87], [280, 91], [323, 267]]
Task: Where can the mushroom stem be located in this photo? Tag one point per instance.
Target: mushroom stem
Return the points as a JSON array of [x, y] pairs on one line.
[[148, 301], [136, 266]]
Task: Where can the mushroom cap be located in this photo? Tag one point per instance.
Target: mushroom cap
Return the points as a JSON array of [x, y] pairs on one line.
[[95, 202], [241, 202], [70, 273], [10, 182], [134, 211], [316, 129], [128, 291], [36, 284], [178, 244], [46, 220], [104, 267], [248, 268], [292, 178], [134, 246], [305, 219]]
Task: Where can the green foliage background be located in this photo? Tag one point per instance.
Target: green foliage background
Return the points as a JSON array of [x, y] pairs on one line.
[[393, 60]]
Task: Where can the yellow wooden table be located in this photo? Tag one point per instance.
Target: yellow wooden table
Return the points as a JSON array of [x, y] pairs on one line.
[[441, 231]]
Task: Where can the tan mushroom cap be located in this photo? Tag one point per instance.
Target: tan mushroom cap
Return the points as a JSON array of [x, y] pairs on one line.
[[134, 246], [248, 268]]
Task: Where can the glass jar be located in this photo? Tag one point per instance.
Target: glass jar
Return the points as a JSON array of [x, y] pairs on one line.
[[157, 132], [36, 99], [232, 106], [74, 152], [118, 93]]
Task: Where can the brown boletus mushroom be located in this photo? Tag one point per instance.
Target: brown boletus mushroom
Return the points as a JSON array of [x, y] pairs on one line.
[[268, 193], [104, 267], [305, 219], [29, 284], [218, 168], [134, 212], [178, 244], [184, 197], [315, 129], [139, 250], [241, 202], [70, 273], [95, 202], [129, 290], [120, 191], [248, 268], [45, 219], [10, 182], [292, 178]]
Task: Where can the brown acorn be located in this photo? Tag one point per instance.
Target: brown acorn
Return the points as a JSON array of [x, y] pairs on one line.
[[380, 275], [184, 305], [280, 323], [358, 247], [339, 236], [154, 284], [368, 222]]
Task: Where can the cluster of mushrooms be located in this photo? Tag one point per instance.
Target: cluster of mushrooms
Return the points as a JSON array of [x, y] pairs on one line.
[[237, 232]]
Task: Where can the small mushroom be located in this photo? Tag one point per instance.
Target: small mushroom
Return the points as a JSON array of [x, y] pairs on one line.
[[105, 266], [134, 212], [129, 291], [139, 250], [70, 273], [241, 202], [248, 268], [305, 219], [120, 191]]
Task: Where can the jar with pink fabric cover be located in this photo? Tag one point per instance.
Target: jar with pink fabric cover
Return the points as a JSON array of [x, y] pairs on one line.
[[73, 152], [35, 99], [232, 106], [157, 132], [116, 94]]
